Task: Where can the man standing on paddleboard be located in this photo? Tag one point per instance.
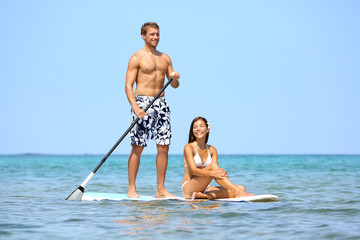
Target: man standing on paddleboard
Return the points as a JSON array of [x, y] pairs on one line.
[[148, 68]]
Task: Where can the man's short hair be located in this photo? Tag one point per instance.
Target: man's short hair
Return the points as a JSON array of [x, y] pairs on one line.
[[145, 26]]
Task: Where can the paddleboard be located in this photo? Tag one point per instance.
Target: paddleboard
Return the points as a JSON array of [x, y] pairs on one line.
[[256, 198], [91, 196], [95, 196]]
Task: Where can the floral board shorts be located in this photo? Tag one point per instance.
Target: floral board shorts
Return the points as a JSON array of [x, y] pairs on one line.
[[157, 121]]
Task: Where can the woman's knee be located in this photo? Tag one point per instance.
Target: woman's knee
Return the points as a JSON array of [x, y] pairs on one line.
[[212, 166]]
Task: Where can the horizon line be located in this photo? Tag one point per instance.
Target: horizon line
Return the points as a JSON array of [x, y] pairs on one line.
[[170, 154]]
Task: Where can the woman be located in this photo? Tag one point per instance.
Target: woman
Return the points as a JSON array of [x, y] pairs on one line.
[[201, 166]]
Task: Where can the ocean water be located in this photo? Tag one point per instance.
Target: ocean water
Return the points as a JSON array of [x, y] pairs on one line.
[[319, 199]]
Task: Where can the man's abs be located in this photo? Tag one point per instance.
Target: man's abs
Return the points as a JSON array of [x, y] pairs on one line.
[[151, 74], [149, 86]]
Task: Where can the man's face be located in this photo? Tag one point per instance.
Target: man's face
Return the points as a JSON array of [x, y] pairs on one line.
[[152, 36]]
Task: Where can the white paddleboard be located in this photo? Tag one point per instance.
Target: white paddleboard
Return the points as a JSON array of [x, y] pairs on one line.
[[256, 198], [94, 196], [91, 196]]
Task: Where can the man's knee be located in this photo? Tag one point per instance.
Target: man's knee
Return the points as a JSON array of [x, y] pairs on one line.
[[162, 148], [137, 149]]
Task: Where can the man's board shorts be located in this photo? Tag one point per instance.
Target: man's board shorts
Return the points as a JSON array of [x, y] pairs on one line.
[[156, 122]]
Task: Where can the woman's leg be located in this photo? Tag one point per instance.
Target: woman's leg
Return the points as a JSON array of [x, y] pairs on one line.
[[227, 189], [196, 185], [221, 192]]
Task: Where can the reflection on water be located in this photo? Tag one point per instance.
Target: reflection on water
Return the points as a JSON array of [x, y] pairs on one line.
[[208, 207], [153, 214], [145, 215]]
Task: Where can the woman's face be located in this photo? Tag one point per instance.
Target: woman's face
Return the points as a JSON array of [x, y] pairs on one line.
[[200, 129]]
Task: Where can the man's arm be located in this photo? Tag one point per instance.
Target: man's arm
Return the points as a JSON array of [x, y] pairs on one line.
[[170, 73], [131, 76]]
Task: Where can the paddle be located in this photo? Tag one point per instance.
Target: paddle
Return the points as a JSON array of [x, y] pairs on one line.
[[78, 193]]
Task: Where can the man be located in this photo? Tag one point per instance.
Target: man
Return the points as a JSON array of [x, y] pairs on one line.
[[148, 68]]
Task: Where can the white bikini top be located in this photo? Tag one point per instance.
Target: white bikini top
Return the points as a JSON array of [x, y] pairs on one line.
[[198, 160]]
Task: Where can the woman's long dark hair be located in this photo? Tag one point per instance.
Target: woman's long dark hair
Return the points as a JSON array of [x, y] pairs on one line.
[[191, 133]]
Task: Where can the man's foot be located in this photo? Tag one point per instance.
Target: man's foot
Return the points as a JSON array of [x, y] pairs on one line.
[[164, 193], [132, 194]]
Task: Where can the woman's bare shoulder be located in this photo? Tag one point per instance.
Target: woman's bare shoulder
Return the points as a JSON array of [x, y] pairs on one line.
[[189, 147], [212, 148]]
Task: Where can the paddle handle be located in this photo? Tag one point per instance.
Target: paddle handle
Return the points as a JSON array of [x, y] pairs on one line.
[[78, 193], [131, 126]]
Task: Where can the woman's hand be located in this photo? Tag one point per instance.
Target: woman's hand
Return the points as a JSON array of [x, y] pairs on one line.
[[220, 173]]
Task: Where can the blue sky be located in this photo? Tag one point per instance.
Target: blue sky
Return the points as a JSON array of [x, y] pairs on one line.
[[272, 77]]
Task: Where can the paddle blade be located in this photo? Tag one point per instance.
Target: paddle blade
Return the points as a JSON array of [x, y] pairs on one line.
[[77, 194]]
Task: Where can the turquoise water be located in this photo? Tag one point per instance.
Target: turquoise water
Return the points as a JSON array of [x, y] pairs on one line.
[[320, 199]]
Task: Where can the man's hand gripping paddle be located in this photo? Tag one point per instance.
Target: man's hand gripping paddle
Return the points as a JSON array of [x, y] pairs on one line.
[[77, 194]]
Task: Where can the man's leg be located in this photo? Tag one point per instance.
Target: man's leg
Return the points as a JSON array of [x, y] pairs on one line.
[[133, 167], [161, 166]]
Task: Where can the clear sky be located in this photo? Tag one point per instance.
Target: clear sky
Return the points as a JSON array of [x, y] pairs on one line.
[[272, 77]]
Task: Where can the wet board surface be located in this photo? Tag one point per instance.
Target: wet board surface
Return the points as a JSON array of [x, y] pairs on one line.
[[256, 198], [90, 196], [95, 196]]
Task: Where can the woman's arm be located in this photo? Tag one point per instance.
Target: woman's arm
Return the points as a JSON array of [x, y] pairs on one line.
[[189, 157], [214, 160]]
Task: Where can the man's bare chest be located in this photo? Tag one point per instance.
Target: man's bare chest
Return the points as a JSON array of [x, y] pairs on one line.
[[150, 64]]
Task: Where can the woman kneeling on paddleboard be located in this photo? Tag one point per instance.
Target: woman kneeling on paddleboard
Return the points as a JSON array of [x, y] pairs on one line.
[[201, 166]]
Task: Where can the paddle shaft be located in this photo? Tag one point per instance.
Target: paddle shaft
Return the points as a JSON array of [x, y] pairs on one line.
[[131, 126], [78, 193]]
